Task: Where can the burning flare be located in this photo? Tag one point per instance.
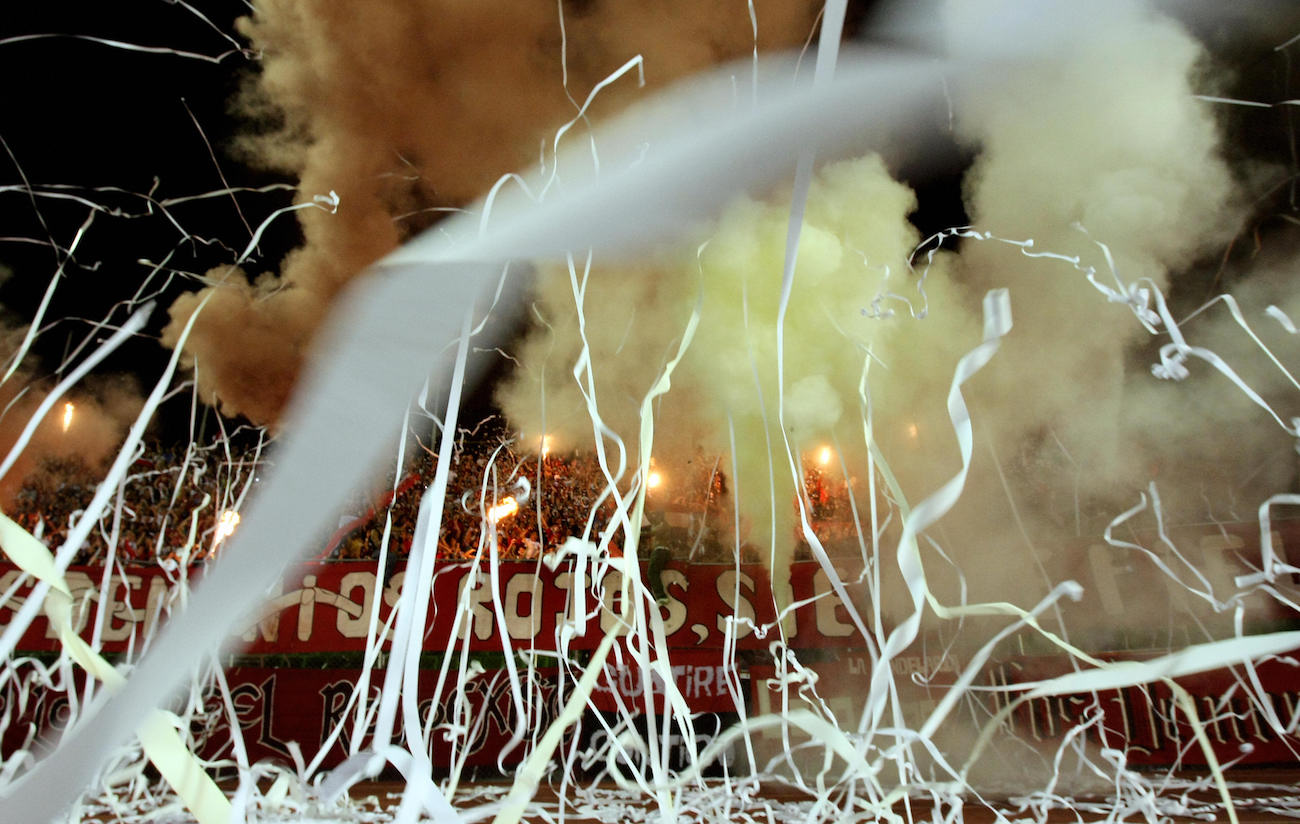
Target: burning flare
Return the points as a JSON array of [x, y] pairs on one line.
[[68, 409], [508, 506], [226, 526]]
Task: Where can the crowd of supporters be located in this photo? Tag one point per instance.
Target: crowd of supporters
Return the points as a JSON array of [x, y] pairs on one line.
[[531, 503], [178, 505], [172, 505]]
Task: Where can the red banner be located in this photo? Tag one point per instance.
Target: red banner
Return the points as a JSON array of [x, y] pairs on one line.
[[276, 706], [327, 607], [1145, 722], [706, 682], [279, 706], [1149, 724]]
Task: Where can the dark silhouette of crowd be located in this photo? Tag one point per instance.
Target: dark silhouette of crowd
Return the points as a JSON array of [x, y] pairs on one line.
[[177, 505]]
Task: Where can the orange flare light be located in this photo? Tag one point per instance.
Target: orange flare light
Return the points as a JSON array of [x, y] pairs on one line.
[[824, 456], [68, 409], [653, 480], [505, 509], [226, 525]]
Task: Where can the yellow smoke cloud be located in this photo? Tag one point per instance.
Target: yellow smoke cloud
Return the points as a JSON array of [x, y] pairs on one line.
[[853, 303]]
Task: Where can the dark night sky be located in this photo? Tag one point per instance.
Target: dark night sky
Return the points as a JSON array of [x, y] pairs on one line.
[[84, 114]]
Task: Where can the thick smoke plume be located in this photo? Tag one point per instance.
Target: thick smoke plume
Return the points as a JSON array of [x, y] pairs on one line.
[[406, 108], [1096, 152]]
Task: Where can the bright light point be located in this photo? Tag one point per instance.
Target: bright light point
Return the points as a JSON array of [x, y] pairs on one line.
[[226, 525], [912, 430], [503, 510], [653, 480], [824, 456], [546, 445], [68, 409]]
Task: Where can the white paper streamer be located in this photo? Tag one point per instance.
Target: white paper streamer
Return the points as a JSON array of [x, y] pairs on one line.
[[383, 335], [375, 349]]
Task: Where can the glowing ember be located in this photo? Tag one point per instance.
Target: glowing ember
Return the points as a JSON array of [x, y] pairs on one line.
[[653, 480], [508, 506], [226, 525], [824, 456], [68, 409]]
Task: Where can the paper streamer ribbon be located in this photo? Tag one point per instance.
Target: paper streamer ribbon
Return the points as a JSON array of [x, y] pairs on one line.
[[997, 323], [375, 349], [158, 733]]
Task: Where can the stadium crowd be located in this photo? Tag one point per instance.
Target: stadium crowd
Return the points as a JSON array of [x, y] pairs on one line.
[[172, 505], [179, 505], [533, 502]]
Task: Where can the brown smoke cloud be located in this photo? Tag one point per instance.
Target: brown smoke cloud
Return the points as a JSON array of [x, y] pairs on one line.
[[407, 107]]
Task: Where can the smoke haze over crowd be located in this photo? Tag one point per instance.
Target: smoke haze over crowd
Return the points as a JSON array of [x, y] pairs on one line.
[[1094, 158]]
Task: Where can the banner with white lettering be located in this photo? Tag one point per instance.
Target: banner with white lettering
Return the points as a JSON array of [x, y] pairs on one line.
[[327, 606]]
